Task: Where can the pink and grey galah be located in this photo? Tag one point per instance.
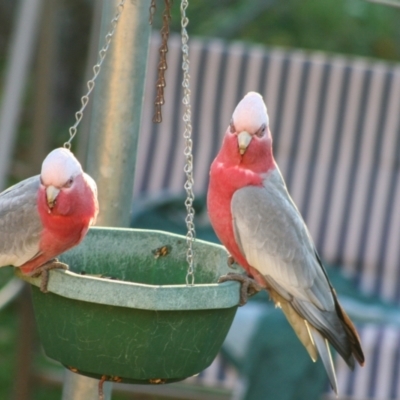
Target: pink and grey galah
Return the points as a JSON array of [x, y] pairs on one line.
[[257, 221], [47, 214]]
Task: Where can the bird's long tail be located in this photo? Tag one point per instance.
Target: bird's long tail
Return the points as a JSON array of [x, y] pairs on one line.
[[310, 337], [325, 353]]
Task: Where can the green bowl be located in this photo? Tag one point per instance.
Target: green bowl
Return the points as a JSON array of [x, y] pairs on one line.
[[123, 312]]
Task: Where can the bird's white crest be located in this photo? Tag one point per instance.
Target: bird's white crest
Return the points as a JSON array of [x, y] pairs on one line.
[[59, 166], [250, 113]]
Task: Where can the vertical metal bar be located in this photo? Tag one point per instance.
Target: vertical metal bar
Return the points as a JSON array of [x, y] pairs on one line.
[[117, 111], [92, 56], [115, 124], [21, 51], [45, 71]]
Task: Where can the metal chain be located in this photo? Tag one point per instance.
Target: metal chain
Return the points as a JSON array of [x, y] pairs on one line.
[[96, 70], [162, 65], [187, 118]]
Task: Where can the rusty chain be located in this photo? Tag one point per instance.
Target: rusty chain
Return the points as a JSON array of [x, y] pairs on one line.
[[162, 65]]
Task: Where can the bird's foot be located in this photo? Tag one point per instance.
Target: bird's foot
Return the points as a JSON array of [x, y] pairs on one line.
[[249, 287], [44, 269]]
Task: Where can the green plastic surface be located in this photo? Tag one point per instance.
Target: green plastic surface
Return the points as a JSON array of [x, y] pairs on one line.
[[131, 317]]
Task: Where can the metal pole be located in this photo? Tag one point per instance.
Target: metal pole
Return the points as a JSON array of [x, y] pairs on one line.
[[115, 125], [20, 57], [117, 111], [92, 55], [45, 71]]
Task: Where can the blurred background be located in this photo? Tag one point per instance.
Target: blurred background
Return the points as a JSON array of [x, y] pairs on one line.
[[60, 53]]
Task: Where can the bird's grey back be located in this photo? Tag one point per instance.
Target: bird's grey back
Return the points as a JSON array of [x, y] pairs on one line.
[[20, 223]]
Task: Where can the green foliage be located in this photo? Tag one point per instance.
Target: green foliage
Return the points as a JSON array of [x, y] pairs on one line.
[[355, 27]]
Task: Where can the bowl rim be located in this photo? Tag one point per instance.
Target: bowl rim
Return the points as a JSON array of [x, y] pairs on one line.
[[119, 293]]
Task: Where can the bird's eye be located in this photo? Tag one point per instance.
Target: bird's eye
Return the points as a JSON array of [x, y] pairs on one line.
[[261, 131], [232, 127], [69, 182]]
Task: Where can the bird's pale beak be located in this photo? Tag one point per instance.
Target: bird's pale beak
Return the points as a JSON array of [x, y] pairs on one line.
[[51, 195], [244, 139]]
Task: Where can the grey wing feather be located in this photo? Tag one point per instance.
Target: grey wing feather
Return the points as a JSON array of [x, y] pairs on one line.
[[20, 223], [326, 357], [275, 240]]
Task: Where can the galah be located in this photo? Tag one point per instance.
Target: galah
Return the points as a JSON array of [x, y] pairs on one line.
[[257, 221], [47, 214]]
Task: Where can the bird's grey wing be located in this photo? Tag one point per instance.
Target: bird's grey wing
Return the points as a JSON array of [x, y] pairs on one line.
[[275, 240], [20, 223]]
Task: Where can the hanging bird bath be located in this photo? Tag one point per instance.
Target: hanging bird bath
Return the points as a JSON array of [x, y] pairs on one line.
[[123, 311]]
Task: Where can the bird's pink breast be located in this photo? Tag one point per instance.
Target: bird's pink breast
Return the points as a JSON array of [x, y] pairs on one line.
[[224, 181], [63, 231], [229, 172]]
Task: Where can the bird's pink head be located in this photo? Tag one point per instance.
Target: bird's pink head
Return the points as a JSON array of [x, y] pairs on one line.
[[62, 181], [248, 140]]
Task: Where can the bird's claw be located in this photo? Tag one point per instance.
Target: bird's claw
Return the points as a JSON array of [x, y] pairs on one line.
[[249, 287], [44, 269]]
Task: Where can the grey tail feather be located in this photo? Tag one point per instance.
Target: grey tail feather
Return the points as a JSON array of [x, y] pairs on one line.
[[326, 357]]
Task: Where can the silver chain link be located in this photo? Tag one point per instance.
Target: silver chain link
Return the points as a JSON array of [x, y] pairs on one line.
[[96, 69], [187, 118]]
